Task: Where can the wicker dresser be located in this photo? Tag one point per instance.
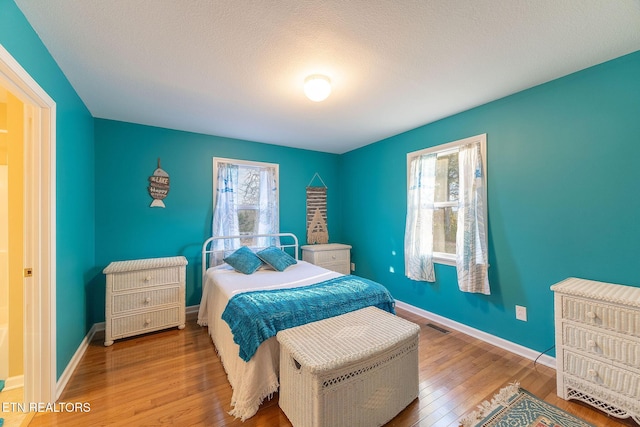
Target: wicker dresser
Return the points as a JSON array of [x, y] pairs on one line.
[[144, 295], [598, 345], [332, 256]]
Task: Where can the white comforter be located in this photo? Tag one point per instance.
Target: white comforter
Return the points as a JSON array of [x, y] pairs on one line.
[[256, 379]]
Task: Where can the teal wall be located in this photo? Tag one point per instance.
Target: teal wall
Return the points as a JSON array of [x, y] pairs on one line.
[[75, 230], [563, 199], [127, 228]]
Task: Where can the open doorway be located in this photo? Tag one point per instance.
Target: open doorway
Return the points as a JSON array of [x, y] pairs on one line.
[[11, 240], [38, 229]]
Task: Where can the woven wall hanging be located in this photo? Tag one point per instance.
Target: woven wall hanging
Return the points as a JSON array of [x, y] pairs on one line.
[[317, 230]]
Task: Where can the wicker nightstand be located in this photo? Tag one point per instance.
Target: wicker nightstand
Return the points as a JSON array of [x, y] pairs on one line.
[[332, 256], [144, 295]]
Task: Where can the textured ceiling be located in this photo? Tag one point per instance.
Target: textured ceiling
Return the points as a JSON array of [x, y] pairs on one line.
[[235, 68]]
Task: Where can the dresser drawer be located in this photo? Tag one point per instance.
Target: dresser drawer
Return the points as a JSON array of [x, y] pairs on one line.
[[596, 314], [616, 348], [145, 278], [612, 378], [123, 302], [143, 322]]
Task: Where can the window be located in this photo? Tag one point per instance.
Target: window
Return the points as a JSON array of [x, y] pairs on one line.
[[245, 199], [445, 206], [248, 199], [446, 211]]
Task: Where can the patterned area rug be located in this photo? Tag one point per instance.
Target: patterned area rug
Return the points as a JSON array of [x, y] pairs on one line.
[[515, 407]]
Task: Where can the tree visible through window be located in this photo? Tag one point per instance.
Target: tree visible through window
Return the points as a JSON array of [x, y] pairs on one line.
[[445, 212], [249, 199]]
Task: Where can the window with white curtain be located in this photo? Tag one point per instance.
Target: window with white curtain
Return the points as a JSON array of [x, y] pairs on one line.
[[446, 212], [245, 199]]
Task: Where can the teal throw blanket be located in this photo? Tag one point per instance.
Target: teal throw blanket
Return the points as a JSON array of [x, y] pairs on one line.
[[257, 316]]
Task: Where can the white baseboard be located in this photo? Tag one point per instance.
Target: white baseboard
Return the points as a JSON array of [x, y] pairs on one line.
[[476, 333], [75, 360], [191, 311], [13, 382]]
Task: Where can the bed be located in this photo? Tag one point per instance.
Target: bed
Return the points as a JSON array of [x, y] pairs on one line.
[[255, 379]]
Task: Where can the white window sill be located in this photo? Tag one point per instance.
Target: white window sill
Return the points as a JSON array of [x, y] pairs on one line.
[[446, 259]]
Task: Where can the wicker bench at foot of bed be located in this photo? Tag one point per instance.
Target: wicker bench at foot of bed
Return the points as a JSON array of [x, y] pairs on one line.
[[356, 369]]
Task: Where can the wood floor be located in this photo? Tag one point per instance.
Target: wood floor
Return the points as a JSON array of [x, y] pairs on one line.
[[175, 378]]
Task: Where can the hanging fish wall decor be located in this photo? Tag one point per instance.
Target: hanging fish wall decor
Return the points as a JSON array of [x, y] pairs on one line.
[[158, 187]]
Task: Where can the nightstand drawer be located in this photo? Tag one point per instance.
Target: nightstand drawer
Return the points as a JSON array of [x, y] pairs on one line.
[[144, 322], [124, 302], [332, 256], [340, 267], [335, 256]]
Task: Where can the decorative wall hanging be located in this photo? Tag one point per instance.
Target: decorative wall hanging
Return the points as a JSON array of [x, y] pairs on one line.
[[158, 187], [317, 231]]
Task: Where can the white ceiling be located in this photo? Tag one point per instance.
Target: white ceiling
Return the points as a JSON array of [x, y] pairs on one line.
[[235, 68]]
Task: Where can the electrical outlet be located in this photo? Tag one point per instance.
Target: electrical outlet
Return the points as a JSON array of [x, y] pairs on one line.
[[521, 313], [353, 266]]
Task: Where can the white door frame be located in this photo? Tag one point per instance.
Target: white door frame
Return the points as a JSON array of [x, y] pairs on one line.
[[39, 230]]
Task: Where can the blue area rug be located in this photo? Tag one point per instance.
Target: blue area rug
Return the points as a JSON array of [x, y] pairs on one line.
[[515, 407]]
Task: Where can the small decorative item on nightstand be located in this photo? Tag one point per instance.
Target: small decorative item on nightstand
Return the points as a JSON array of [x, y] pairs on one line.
[[144, 295], [332, 256]]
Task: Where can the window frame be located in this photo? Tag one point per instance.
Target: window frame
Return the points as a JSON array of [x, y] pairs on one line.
[[445, 149], [245, 164]]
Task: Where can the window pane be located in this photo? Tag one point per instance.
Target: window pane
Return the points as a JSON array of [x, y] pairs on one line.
[[445, 226], [446, 189], [248, 221], [249, 183]]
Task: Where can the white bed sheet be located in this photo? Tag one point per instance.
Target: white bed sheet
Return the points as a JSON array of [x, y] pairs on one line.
[[256, 379]]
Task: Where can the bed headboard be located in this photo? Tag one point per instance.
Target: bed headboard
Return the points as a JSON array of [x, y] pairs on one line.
[[288, 243]]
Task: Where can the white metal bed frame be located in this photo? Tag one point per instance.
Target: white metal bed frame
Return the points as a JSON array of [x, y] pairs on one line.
[[206, 252]]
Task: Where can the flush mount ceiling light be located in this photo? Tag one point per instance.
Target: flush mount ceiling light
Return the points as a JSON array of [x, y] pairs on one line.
[[317, 87]]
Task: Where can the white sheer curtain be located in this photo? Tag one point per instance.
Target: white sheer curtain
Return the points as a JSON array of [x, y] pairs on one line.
[[268, 216], [225, 212], [471, 238], [418, 246]]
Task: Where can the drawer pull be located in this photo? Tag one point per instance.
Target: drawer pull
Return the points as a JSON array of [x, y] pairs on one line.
[[147, 300], [591, 344], [333, 257], [147, 279], [592, 373], [147, 321], [591, 315]]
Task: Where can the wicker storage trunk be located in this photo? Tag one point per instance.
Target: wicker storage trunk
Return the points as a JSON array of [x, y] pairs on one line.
[[356, 369]]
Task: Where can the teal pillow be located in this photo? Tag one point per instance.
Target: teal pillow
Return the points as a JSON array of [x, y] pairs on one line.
[[276, 258], [244, 260]]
